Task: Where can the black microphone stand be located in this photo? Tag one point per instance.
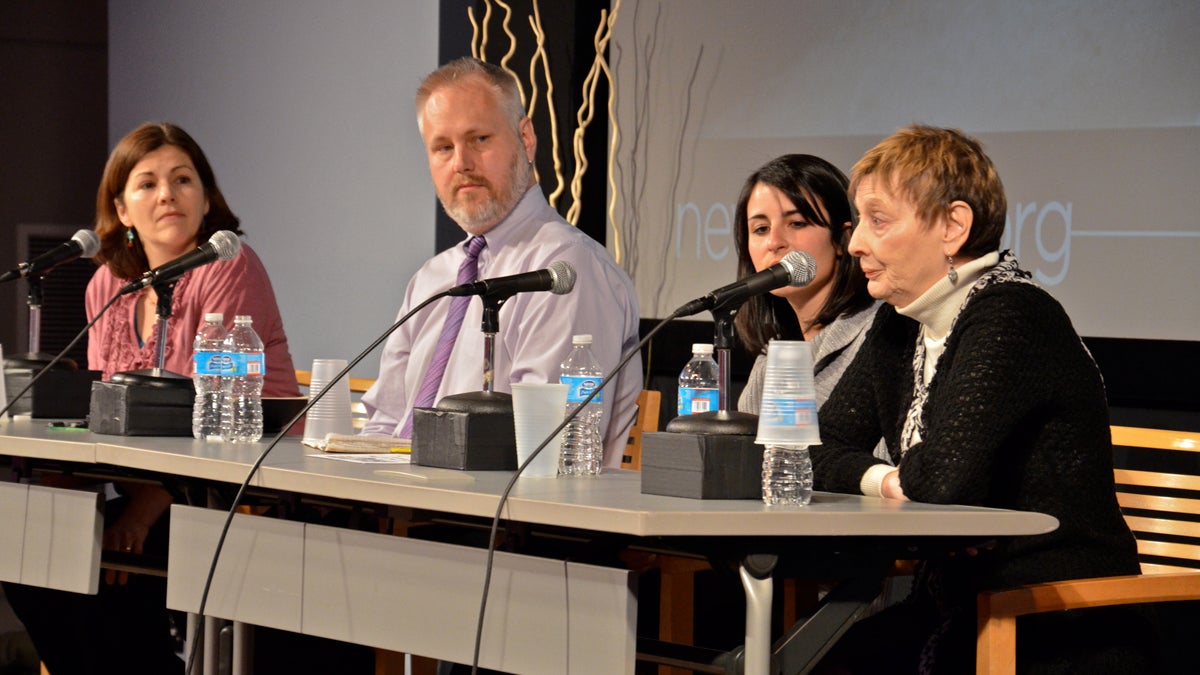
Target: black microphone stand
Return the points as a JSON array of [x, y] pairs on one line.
[[158, 377], [722, 421], [22, 367], [487, 400], [34, 359]]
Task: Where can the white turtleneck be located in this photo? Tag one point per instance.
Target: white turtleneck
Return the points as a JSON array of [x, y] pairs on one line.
[[938, 306]]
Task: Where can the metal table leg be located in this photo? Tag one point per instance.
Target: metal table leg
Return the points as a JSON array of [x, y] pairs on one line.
[[243, 648], [212, 646], [755, 571], [190, 640]]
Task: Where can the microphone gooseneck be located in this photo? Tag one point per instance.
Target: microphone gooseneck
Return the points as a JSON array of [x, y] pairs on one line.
[[558, 278], [796, 269], [83, 244], [222, 245]]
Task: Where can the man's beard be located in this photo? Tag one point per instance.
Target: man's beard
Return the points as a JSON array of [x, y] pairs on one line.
[[480, 212]]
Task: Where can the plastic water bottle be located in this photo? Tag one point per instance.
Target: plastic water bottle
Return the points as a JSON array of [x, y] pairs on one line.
[[699, 382], [241, 415], [208, 352], [787, 475], [582, 448]]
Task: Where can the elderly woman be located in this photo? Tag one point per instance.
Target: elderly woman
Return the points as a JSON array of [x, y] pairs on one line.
[[986, 396], [799, 203]]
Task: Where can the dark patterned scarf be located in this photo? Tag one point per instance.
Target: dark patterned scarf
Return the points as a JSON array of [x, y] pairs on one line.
[[1005, 271]]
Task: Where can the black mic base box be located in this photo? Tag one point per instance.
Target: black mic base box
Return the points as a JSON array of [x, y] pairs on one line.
[[63, 393], [470, 432], [701, 466], [19, 369], [140, 410]]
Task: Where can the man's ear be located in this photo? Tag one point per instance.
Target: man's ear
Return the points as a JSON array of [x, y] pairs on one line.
[[528, 139]]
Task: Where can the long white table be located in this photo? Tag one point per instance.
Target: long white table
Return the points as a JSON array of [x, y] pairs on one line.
[[611, 503]]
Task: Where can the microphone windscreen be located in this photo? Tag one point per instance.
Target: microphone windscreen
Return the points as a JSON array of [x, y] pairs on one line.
[[801, 268], [88, 241], [226, 244], [563, 277]]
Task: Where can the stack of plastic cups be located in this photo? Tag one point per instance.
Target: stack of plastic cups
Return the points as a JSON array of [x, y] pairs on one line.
[[787, 423], [330, 415]]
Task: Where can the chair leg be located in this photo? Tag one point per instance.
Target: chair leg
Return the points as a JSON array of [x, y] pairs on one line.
[[392, 663], [799, 598], [676, 607], [996, 642]]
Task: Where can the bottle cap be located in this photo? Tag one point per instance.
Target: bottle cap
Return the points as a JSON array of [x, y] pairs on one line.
[[702, 348], [214, 316], [581, 339], [243, 319]]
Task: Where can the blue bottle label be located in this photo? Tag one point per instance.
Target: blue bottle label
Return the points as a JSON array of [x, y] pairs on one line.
[[212, 363], [788, 412], [579, 386], [250, 364], [692, 401]]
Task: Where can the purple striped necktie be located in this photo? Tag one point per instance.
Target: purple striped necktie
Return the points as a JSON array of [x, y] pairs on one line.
[[467, 272]]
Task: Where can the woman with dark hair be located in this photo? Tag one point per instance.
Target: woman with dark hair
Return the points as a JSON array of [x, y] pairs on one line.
[[799, 202], [158, 199]]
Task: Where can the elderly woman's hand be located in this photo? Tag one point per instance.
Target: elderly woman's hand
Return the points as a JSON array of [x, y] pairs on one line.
[[890, 487]]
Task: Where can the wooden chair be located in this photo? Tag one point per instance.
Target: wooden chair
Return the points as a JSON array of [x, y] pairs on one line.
[[1161, 508], [648, 404], [358, 385]]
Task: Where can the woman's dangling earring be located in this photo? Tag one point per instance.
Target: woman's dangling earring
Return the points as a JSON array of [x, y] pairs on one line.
[[952, 274], [129, 236]]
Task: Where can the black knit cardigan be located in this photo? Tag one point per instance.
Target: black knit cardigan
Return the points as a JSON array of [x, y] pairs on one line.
[[1016, 418]]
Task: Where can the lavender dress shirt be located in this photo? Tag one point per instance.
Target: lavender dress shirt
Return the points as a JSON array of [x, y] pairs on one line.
[[535, 328]]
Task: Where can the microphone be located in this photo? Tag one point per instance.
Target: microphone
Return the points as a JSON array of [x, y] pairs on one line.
[[223, 245], [84, 244], [558, 278], [796, 269]]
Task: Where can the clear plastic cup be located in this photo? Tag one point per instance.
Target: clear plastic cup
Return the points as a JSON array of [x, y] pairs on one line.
[[537, 410], [788, 415]]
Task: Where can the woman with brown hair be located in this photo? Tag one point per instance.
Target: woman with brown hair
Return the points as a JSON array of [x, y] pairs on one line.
[[158, 200]]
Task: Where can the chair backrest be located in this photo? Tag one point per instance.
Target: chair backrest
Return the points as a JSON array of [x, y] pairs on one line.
[[358, 385], [1161, 497], [648, 403]]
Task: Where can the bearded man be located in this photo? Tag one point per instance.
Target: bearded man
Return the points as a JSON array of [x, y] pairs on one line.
[[480, 145]]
